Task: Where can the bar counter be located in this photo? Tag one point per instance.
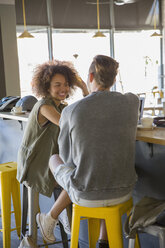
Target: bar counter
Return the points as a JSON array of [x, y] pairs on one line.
[[17, 117], [155, 136]]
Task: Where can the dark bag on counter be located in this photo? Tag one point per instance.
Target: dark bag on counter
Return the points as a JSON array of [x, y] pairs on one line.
[[8, 102], [159, 121]]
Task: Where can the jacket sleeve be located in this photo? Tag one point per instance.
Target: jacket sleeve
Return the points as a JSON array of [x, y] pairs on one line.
[[64, 139]]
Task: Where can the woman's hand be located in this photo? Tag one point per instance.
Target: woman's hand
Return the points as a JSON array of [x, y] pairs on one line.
[[82, 85]]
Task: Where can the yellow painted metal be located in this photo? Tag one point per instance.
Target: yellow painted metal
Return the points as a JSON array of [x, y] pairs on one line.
[[112, 216], [10, 187]]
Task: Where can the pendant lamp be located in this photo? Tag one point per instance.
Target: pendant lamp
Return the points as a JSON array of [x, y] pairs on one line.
[[75, 55], [25, 34], [155, 34], [98, 33]]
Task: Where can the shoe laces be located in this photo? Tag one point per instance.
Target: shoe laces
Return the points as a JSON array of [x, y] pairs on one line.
[[51, 228]]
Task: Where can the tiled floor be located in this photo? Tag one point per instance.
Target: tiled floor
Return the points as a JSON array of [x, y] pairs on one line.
[[15, 240]]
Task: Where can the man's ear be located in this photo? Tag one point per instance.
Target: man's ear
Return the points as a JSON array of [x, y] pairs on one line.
[[91, 77]]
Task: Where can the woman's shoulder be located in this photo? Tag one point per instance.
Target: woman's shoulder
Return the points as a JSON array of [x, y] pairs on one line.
[[45, 100], [49, 101]]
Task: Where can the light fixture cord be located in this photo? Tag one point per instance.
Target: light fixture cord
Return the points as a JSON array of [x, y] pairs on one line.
[[155, 14], [98, 16], [155, 22], [24, 18]]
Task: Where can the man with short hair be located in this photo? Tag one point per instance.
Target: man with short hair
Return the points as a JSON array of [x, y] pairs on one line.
[[95, 166]]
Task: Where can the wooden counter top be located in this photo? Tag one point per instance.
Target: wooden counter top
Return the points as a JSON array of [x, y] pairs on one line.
[[154, 108], [155, 136], [8, 115]]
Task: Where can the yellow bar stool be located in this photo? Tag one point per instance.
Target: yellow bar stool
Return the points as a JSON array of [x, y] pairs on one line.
[[9, 187], [112, 216]]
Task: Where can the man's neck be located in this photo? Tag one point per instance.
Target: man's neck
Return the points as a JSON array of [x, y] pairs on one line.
[[99, 88], [96, 87]]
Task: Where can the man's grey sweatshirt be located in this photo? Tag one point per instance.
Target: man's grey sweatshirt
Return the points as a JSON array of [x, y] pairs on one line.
[[97, 139]]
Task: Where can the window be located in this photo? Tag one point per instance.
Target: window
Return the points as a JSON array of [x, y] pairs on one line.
[[137, 53], [31, 52], [67, 45], [139, 58]]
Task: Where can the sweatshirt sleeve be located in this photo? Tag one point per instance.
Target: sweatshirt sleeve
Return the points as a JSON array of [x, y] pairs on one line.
[[65, 136], [64, 139]]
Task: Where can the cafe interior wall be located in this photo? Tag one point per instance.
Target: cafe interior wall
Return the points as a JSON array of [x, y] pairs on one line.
[[9, 70]]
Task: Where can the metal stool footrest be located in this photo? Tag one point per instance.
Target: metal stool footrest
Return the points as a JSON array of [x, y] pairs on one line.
[[64, 236]]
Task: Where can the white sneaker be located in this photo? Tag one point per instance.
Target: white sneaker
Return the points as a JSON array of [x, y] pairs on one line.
[[63, 218], [46, 224]]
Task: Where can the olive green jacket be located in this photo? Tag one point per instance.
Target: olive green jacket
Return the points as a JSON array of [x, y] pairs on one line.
[[38, 144], [145, 213]]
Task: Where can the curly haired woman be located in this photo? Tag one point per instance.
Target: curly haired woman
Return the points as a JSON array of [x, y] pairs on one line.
[[53, 81]]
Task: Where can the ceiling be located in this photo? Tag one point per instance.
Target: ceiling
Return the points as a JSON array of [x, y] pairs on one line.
[[81, 14]]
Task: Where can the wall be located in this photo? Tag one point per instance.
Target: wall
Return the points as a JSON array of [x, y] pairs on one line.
[[9, 70]]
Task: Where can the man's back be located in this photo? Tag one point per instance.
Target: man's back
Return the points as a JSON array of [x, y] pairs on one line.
[[100, 143]]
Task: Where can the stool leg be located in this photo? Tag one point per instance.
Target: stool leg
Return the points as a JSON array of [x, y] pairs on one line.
[[162, 239], [93, 231], [63, 234], [6, 209], [137, 242], [114, 231], [17, 205], [24, 210], [33, 206], [75, 229], [131, 243]]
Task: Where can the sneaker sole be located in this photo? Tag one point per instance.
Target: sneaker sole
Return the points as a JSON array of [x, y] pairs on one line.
[[42, 231]]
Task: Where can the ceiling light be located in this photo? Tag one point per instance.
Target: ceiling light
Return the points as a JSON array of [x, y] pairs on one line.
[[155, 34], [25, 34], [98, 33]]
